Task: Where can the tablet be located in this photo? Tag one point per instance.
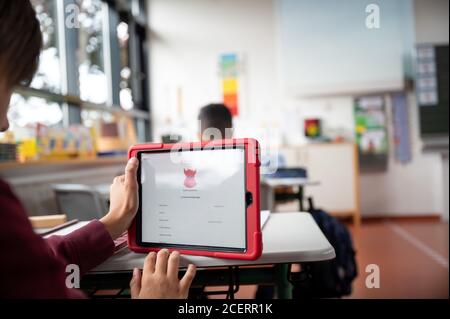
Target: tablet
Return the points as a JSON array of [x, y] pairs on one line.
[[199, 199]]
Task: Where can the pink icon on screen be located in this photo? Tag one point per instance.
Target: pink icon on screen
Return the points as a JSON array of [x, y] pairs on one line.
[[189, 181]]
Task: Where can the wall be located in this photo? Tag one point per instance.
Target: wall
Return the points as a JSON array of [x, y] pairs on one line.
[[431, 21], [432, 26], [405, 189], [327, 48], [412, 189], [188, 37]]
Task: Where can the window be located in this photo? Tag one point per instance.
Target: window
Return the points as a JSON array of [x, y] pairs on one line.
[[123, 36], [92, 77], [29, 111], [48, 76], [87, 71]]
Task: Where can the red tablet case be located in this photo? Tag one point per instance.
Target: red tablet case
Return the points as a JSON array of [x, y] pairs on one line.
[[254, 235]]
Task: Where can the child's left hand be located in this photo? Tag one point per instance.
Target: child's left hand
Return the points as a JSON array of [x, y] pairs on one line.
[[124, 201]]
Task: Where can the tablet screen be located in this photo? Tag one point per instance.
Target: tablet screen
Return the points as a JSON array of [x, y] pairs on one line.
[[193, 198]]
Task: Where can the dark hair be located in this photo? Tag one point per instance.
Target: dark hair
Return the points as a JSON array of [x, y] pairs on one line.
[[20, 42], [215, 116]]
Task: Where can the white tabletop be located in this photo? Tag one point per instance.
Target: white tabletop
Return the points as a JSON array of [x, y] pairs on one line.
[[287, 238], [289, 181]]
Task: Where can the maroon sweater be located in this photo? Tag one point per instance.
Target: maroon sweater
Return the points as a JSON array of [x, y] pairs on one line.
[[33, 267]]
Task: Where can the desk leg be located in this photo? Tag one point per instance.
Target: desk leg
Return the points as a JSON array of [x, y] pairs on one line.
[[301, 198], [284, 287]]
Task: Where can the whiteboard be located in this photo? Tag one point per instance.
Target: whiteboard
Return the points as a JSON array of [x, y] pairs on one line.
[[327, 49]]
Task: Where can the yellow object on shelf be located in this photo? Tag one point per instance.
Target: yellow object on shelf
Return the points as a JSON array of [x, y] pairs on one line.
[[28, 150], [76, 141]]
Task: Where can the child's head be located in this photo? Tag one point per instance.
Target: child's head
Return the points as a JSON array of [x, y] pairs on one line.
[[20, 46], [215, 119]]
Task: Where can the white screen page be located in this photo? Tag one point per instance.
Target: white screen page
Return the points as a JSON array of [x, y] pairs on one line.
[[194, 198]]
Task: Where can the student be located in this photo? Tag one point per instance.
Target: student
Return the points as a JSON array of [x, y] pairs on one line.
[[216, 122], [31, 267]]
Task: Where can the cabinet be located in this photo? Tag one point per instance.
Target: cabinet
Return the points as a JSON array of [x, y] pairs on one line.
[[335, 167]]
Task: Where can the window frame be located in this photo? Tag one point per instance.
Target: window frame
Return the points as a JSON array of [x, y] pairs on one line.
[[67, 42]]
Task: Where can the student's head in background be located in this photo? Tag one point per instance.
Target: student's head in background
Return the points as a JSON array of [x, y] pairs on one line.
[[20, 46], [216, 122]]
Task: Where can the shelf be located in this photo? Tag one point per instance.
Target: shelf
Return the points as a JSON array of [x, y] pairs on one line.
[[77, 102]]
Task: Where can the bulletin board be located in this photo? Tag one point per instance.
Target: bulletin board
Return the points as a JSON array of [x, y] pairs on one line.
[[371, 131]]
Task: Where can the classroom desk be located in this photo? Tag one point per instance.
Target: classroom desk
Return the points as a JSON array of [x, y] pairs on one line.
[[268, 186], [287, 238]]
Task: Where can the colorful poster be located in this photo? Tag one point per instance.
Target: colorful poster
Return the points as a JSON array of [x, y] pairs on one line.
[[313, 128], [230, 83], [370, 117]]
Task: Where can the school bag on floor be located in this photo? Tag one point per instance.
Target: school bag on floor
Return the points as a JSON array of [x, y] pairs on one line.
[[331, 278]]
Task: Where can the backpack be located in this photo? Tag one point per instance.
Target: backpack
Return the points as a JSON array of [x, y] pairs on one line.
[[331, 278]]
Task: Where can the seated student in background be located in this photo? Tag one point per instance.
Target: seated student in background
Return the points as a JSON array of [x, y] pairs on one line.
[[31, 267], [216, 122]]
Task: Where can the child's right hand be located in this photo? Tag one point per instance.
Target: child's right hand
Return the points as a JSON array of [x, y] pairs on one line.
[[159, 279]]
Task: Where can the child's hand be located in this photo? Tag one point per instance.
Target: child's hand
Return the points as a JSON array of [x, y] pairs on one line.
[[159, 279], [123, 201]]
